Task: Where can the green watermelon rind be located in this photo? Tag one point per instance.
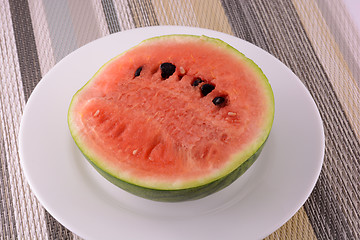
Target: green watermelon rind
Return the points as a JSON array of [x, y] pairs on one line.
[[178, 195], [194, 189]]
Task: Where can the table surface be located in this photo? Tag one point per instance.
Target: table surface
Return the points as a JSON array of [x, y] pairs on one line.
[[316, 39]]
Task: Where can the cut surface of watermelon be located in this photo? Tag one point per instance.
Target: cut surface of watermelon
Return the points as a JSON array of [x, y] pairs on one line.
[[174, 118]]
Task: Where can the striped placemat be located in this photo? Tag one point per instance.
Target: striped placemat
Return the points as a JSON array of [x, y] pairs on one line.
[[316, 39]]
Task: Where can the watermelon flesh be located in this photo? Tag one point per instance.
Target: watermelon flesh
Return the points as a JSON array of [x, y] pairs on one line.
[[175, 118]]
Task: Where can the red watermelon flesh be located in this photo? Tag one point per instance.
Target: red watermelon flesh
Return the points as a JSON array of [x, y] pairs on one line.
[[165, 133]]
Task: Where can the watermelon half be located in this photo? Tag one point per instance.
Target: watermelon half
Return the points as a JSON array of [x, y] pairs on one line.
[[175, 118]]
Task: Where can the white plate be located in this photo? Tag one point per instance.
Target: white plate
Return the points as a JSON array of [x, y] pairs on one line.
[[258, 203]]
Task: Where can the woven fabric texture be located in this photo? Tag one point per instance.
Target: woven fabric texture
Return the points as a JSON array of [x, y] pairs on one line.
[[316, 39]]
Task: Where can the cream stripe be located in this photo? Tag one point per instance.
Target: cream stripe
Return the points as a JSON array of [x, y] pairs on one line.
[[125, 19], [42, 36], [331, 58], [29, 215], [182, 14], [298, 227], [211, 15], [193, 13], [99, 13]]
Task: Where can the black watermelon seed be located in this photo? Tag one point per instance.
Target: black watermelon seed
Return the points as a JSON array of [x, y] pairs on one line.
[[207, 88], [196, 82], [167, 69], [219, 101], [137, 72]]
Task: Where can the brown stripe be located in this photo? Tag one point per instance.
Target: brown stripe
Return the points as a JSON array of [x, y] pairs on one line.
[[143, 13], [110, 16], [26, 46], [239, 17], [56, 230], [275, 26]]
